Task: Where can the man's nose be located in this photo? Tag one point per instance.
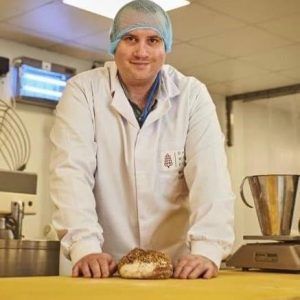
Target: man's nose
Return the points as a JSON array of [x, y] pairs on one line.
[[141, 49]]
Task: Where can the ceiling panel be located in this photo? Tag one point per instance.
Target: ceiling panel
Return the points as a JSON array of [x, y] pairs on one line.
[[200, 73], [220, 89], [186, 56], [9, 8], [228, 70], [194, 21], [62, 20], [76, 50], [253, 11], [97, 41], [292, 73], [288, 27], [26, 36], [239, 42], [277, 59]]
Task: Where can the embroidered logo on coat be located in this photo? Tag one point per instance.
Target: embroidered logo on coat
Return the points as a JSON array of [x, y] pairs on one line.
[[172, 160], [168, 161]]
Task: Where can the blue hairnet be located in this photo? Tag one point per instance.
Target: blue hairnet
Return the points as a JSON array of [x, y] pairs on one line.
[[141, 14]]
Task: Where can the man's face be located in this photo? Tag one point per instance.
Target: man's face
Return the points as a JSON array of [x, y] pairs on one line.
[[139, 56]]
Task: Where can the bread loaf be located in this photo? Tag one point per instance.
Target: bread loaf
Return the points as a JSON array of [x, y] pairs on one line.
[[145, 264]]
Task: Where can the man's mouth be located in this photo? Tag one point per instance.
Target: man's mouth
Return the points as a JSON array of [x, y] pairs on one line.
[[140, 62]]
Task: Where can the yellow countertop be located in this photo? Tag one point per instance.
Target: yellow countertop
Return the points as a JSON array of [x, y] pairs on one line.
[[229, 285]]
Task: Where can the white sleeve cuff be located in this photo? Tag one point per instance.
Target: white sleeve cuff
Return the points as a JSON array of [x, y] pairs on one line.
[[83, 248], [210, 250]]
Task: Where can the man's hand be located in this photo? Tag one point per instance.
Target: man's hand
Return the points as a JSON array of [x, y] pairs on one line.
[[96, 265], [195, 266]]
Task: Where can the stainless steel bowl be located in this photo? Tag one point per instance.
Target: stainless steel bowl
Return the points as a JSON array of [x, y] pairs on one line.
[[29, 258], [274, 198]]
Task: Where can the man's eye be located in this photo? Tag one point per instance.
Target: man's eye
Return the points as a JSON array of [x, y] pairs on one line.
[[154, 40], [129, 38]]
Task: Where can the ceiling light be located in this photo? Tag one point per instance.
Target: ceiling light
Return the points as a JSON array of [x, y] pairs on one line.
[[110, 8]]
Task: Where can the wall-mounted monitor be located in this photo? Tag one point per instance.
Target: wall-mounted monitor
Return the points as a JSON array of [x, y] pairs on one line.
[[38, 82]]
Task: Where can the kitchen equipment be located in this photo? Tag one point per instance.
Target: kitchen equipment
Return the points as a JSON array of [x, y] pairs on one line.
[[17, 198], [19, 257], [5, 233], [274, 199], [14, 138], [28, 258]]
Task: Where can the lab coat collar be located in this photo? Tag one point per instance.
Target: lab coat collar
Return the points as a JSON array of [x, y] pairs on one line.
[[167, 90], [119, 101]]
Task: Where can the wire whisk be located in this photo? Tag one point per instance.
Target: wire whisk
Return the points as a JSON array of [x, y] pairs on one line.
[[14, 138]]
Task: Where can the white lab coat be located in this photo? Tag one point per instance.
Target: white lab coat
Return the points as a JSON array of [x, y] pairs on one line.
[[117, 186]]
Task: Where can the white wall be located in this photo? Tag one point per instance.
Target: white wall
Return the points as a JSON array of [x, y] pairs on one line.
[[38, 121]]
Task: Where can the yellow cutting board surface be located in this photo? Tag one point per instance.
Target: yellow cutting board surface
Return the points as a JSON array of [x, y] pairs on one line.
[[228, 285]]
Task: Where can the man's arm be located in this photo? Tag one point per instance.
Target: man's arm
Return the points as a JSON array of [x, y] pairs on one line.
[[211, 234], [72, 168]]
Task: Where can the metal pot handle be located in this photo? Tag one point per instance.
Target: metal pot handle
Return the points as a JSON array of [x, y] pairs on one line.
[[242, 193]]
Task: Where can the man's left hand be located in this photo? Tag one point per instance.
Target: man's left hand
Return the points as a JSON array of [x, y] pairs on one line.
[[195, 266]]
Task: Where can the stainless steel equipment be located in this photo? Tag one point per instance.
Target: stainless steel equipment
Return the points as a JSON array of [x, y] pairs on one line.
[[13, 222], [19, 257], [281, 254], [274, 199], [28, 258], [17, 198]]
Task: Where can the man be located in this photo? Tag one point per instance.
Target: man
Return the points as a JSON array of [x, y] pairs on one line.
[[138, 158]]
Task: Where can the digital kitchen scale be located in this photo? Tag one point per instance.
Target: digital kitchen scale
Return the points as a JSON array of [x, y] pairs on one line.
[[281, 253]]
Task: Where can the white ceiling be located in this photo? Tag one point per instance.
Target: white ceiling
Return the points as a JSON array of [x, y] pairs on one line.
[[233, 46]]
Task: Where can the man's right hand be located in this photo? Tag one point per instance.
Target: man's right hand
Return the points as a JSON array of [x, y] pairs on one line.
[[95, 265]]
